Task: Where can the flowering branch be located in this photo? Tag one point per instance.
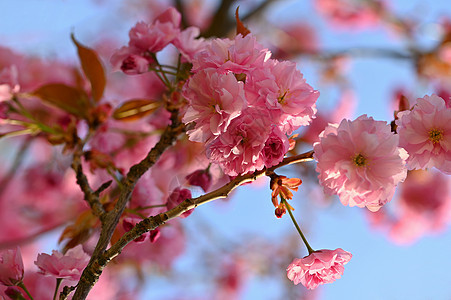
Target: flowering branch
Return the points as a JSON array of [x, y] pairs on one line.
[[95, 267]]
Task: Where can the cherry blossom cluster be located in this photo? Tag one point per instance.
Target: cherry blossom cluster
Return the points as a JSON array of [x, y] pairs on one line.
[[244, 104]]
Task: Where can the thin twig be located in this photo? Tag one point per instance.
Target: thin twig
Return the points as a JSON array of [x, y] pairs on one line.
[[93, 270]]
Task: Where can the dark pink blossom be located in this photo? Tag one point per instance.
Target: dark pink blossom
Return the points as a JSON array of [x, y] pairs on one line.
[[177, 196], [320, 267], [129, 223], [68, 266], [154, 235], [129, 61], [201, 178], [276, 146], [11, 267]]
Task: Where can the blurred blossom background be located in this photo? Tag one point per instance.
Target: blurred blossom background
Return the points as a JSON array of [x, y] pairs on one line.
[[358, 54]]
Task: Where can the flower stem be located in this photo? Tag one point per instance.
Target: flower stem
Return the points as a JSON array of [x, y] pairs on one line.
[[310, 249], [22, 285], [58, 283]]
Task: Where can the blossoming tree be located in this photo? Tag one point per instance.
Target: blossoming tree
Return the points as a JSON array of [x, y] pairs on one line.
[[185, 117]]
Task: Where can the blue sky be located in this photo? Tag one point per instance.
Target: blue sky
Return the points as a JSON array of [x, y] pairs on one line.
[[378, 269]]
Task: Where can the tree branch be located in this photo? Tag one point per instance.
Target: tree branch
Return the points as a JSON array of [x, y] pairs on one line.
[[95, 267]]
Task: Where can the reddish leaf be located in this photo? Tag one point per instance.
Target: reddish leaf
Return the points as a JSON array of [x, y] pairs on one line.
[[93, 69], [135, 109], [69, 99], [240, 28]]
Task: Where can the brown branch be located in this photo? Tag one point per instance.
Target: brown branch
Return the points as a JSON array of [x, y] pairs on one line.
[[92, 197], [98, 264], [94, 269], [257, 11], [221, 22]]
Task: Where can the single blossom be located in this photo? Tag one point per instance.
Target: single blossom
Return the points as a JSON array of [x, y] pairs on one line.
[[239, 149], [214, 101], [154, 37], [129, 223], [11, 267], [276, 146], [188, 44], [360, 161], [351, 14], [282, 89], [68, 266], [425, 132], [130, 61], [9, 84], [201, 178], [423, 206], [177, 196], [240, 55], [320, 267]]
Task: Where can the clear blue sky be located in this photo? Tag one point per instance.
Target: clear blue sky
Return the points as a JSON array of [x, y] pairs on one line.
[[378, 269]]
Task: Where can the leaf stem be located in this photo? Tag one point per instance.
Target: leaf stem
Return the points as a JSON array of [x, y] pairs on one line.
[[310, 249], [22, 285]]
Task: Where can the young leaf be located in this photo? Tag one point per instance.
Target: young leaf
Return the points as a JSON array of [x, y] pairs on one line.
[[240, 28], [93, 69], [67, 98], [135, 109]]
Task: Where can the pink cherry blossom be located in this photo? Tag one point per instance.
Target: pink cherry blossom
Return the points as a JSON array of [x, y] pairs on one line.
[[129, 61], [351, 14], [423, 206], [320, 267], [241, 55], [129, 223], [201, 178], [425, 132], [285, 93], [276, 146], [68, 266], [187, 43], [215, 100], [360, 161], [11, 267], [154, 37], [177, 196], [238, 150], [8, 83]]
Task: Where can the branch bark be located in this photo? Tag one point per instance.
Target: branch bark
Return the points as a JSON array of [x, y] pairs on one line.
[[93, 270]]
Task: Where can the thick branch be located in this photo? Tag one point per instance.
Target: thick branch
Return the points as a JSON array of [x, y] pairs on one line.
[[221, 22], [153, 222], [365, 52], [94, 269]]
